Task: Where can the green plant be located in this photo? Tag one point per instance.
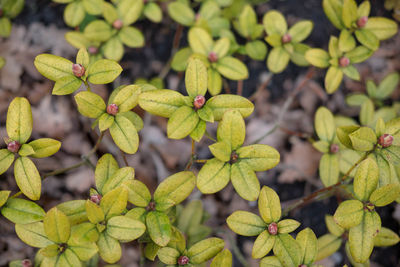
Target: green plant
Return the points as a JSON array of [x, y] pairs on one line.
[[360, 160]]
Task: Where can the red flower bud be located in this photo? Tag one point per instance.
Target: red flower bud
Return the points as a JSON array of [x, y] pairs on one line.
[[78, 70], [385, 140], [334, 148], [26, 263], [112, 109], [93, 50], [183, 260], [213, 57], [302, 265], [286, 38], [361, 22], [344, 62], [234, 157], [273, 228], [13, 146], [199, 101], [151, 206], [117, 24], [95, 199]]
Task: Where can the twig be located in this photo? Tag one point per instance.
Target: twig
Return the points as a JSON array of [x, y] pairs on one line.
[[192, 156], [239, 87], [177, 37], [306, 200], [87, 86], [287, 104], [124, 158]]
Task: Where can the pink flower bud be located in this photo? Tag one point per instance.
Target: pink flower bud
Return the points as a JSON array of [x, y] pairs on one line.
[[213, 57], [26, 263], [117, 24], [95, 199], [93, 50], [183, 260], [361, 22], [112, 109], [199, 101], [385, 140], [286, 38], [334, 148], [273, 228], [78, 70], [344, 62], [13, 146]]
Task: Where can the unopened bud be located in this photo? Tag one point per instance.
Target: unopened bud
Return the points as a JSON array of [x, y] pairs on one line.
[[151, 206], [118, 24], [13, 146], [197, 16], [93, 50], [234, 157], [183, 260], [385, 140], [361, 22], [273, 228], [334, 148], [302, 265], [199, 102], [344, 62], [112, 109], [213, 57], [78, 70], [26, 263], [286, 38], [369, 207], [95, 198]]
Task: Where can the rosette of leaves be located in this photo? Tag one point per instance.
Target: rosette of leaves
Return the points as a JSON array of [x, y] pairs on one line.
[[338, 62], [215, 55], [190, 220], [9, 9], [272, 232], [308, 246], [19, 128], [209, 16], [234, 162], [347, 17], [78, 40], [76, 10], [286, 42], [154, 210], [188, 114], [116, 116], [60, 244], [358, 215], [246, 25], [116, 30], [177, 254], [107, 226], [69, 76]]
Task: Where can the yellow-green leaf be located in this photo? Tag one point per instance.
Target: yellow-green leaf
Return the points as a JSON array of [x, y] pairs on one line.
[[349, 12], [53, 67], [224, 258], [361, 237], [168, 255], [327, 245], [4, 194], [19, 120], [33, 234], [366, 179], [57, 226], [116, 180], [161, 102], [270, 261], [246, 223], [301, 30], [318, 57], [6, 159], [349, 214], [363, 139], [221, 103], [181, 12], [131, 36], [269, 205], [94, 212], [27, 178], [385, 238], [90, 104], [75, 210], [263, 245], [274, 22], [213, 176], [109, 248], [232, 129], [245, 181], [124, 134], [103, 71], [114, 202], [308, 245], [204, 250], [385, 195], [130, 10], [329, 169], [383, 28], [332, 226], [105, 169], [333, 10], [44, 147], [287, 226], [232, 68], [124, 228], [346, 41], [138, 194], [278, 59], [158, 227], [66, 85], [287, 250], [182, 122], [333, 79], [21, 211], [325, 124], [259, 157], [74, 14], [200, 41], [196, 78], [367, 38]]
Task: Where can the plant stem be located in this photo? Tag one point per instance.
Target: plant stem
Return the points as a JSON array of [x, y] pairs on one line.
[[287, 104], [124, 158], [308, 199], [239, 90], [87, 86], [192, 156]]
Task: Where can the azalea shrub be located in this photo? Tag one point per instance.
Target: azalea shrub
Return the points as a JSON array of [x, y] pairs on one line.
[[360, 154]]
